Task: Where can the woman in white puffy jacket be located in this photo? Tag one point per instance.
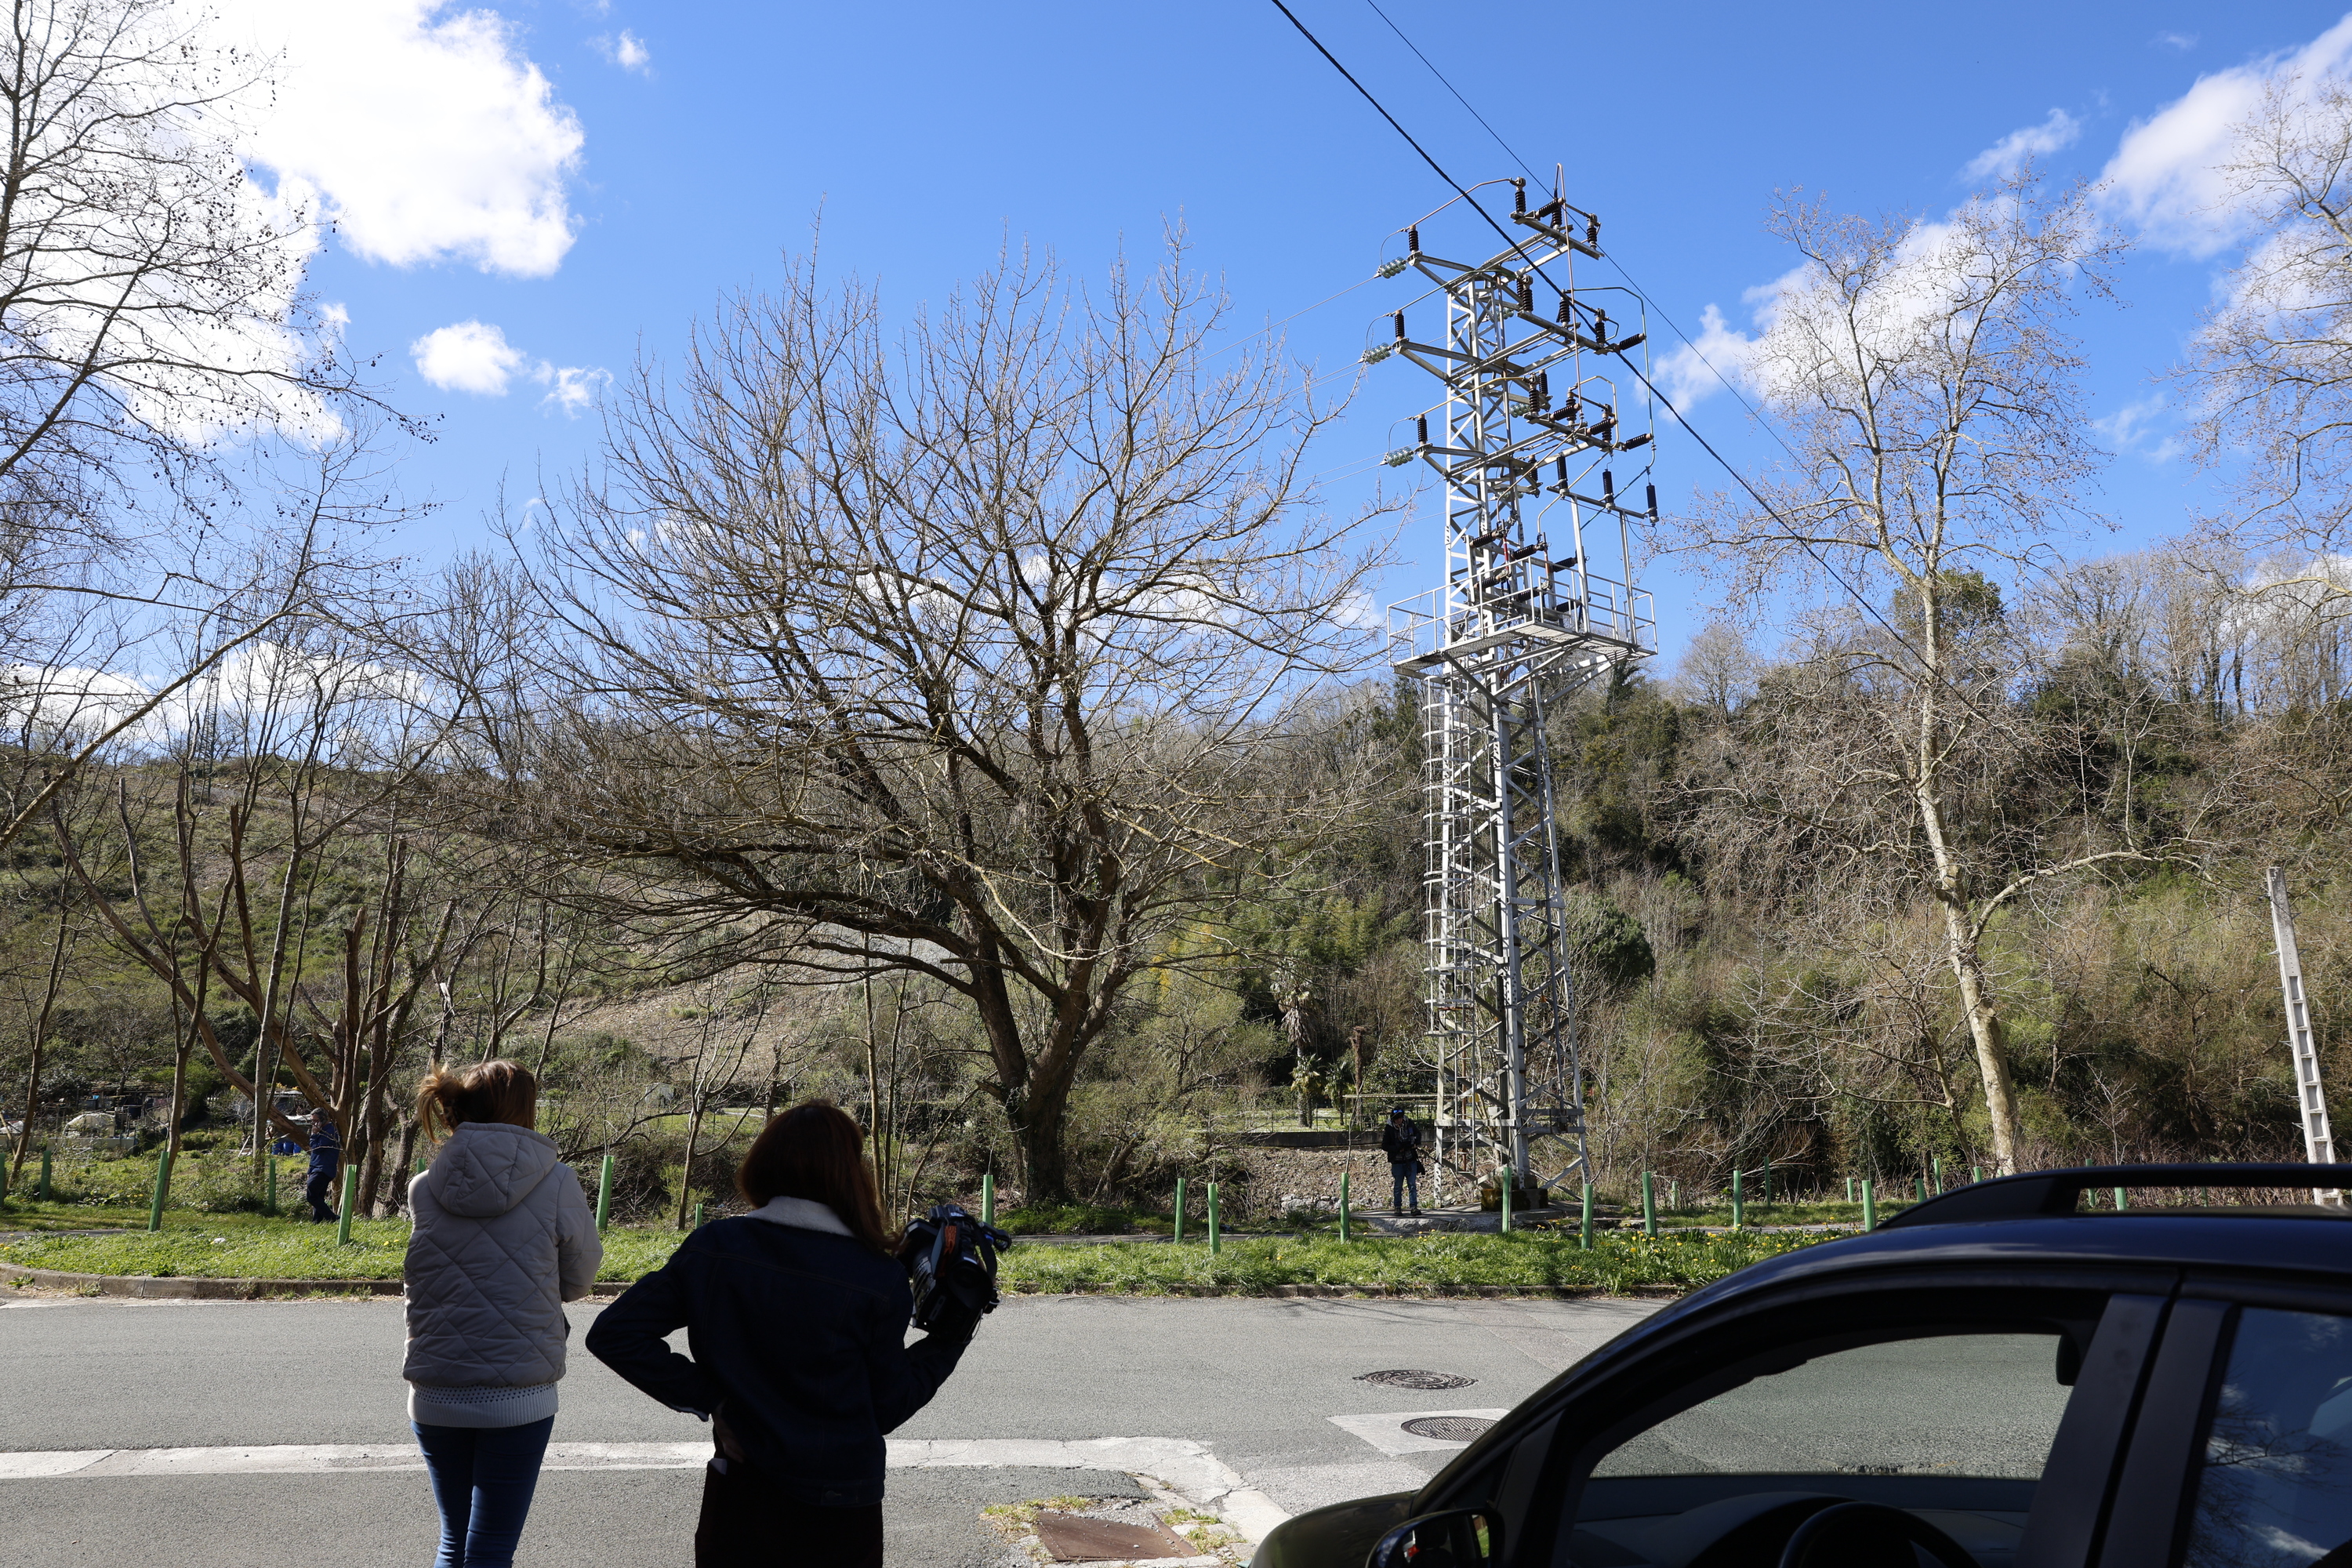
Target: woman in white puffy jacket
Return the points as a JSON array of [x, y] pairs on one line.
[[503, 1237]]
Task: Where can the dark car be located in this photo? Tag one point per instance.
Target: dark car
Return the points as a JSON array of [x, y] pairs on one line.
[[1995, 1377]]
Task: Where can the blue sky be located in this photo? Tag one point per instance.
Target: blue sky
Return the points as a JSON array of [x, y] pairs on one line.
[[585, 178]]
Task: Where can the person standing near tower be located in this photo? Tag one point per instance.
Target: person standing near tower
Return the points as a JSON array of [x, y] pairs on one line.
[[1401, 1142]]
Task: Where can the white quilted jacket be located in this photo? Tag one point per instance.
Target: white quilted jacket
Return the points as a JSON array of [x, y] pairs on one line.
[[503, 1237]]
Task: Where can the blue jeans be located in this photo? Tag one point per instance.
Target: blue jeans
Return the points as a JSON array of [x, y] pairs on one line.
[[1402, 1181], [482, 1480]]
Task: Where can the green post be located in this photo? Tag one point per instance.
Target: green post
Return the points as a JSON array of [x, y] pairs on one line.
[[1849, 1189], [1505, 1180], [1738, 1203], [1937, 1161], [2122, 1203], [1869, 1205], [604, 1196], [1343, 1206], [698, 1215], [1976, 1172], [42, 1192], [1921, 1183], [988, 1198], [1585, 1228], [988, 1189], [1217, 1239], [1674, 1195], [351, 1196], [1649, 1207], [421, 1163], [163, 1188]]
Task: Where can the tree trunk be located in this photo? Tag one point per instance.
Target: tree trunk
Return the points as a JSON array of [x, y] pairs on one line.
[[1991, 1038], [40, 1039]]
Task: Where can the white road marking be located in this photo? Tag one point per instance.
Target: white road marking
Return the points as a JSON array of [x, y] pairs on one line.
[[1182, 1467], [1386, 1432]]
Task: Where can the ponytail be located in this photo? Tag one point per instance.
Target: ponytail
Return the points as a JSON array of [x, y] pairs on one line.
[[486, 1092]]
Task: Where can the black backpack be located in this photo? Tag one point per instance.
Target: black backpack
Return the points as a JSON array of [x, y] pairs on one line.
[[951, 1260]]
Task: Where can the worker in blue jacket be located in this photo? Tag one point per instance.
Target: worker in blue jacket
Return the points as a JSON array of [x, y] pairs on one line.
[[326, 1160]]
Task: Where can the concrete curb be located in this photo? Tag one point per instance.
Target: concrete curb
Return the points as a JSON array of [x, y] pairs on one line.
[[191, 1288]]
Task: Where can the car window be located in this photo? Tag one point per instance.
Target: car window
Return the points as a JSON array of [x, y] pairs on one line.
[[1955, 1427], [1950, 1404], [2275, 1487]]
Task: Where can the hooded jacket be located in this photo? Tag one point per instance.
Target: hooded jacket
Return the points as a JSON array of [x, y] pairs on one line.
[[503, 1237]]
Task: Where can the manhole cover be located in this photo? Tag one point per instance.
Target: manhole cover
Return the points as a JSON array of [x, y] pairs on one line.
[[1406, 1377], [1448, 1429]]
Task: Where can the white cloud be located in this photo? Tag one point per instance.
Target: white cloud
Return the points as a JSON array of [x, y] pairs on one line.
[[470, 356], [422, 131], [2005, 156], [2182, 42], [474, 356], [2129, 428], [572, 389], [2166, 176], [1699, 368], [627, 51]]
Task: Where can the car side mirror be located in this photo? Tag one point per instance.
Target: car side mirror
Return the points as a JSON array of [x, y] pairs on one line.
[[1458, 1538]]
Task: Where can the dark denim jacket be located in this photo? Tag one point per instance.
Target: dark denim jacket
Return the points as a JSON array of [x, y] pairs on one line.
[[800, 1334]]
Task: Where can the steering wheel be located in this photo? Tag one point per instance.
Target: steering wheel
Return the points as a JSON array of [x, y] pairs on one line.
[[1869, 1535]]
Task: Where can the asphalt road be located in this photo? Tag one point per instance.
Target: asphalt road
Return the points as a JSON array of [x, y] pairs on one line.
[[1256, 1381]]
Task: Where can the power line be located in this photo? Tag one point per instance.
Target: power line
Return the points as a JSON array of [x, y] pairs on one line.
[[1737, 478], [1623, 271]]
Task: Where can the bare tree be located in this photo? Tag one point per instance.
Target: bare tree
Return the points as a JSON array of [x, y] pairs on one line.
[[2273, 363], [974, 660], [1931, 402]]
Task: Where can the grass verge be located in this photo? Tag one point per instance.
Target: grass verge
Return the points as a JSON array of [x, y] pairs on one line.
[[1616, 1263], [204, 1247]]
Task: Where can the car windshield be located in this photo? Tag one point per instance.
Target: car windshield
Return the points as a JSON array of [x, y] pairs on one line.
[[1980, 1406]]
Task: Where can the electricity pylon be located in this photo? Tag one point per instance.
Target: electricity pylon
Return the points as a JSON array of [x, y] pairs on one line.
[[1532, 421]]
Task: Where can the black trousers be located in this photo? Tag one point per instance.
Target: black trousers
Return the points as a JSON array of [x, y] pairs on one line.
[[744, 1526], [315, 1191]]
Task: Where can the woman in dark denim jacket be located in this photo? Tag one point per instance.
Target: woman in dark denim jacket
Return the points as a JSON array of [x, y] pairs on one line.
[[796, 1315]]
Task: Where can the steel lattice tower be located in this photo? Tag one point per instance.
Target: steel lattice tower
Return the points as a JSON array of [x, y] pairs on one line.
[[1531, 417]]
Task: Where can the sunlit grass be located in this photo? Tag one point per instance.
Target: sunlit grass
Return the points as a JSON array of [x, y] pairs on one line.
[[249, 1247]]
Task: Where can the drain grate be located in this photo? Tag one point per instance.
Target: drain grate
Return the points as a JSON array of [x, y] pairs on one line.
[[1448, 1429], [1406, 1377]]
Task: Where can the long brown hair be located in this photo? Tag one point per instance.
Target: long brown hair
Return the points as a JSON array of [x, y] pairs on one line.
[[486, 1092], [815, 1151]]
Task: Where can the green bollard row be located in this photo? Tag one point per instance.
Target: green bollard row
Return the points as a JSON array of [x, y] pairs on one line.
[[1869, 1205], [1849, 1189], [988, 1198], [1216, 1238], [1180, 1204], [604, 1196], [2122, 1203], [1649, 1205]]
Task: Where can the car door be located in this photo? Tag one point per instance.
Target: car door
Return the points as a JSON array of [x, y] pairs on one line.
[[1993, 1407], [2242, 1455]]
